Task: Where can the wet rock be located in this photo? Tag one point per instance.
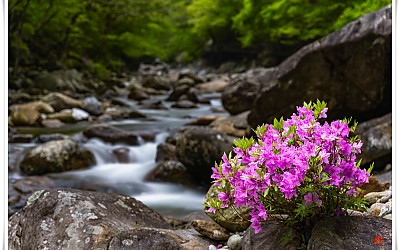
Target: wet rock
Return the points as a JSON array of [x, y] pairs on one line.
[[242, 91], [213, 86], [170, 171], [137, 94], [52, 123], [233, 125], [92, 105], [185, 104], [20, 138], [69, 115], [203, 120], [336, 69], [270, 238], [151, 104], [183, 92], [210, 229], [166, 152], [122, 154], [188, 74], [158, 82], [50, 137], [229, 217], [28, 114], [373, 185], [56, 156], [60, 80], [376, 136], [351, 232], [111, 134], [19, 190], [76, 219], [198, 148], [120, 102], [121, 113], [60, 101]]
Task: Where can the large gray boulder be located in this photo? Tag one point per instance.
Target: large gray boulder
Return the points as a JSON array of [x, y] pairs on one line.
[[351, 232], [75, 219], [56, 156], [198, 148], [349, 69], [376, 136]]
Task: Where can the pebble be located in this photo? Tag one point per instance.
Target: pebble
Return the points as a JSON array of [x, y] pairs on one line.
[[234, 242]]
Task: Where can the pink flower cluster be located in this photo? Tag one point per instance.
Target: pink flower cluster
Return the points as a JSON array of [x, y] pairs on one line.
[[284, 158]]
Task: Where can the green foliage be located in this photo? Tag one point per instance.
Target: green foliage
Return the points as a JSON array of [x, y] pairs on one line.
[[106, 35]]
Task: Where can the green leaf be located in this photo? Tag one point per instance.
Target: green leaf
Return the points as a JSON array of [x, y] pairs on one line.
[[371, 167]]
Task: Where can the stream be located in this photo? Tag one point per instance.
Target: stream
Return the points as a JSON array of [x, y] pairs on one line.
[[111, 174]]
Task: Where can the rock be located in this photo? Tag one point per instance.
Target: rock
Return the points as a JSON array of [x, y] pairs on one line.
[[198, 148], [213, 86], [52, 123], [336, 69], [166, 152], [351, 232], [56, 156], [18, 98], [111, 134], [60, 101], [186, 81], [233, 125], [50, 137], [373, 185], [20, 138], [160, 82], [121, 113], [69, 115], [185, 104], [92, 105], [29, 113], [19, 190], [121, 154], [376, 136], [270, 238], [170, 171], [60, 80], [242, 91], [183, 92], [150, 104], [228, 217], [157, 239], [210, 229], [203, 120], [137, 94], [380, 209], [76, 219], [235, 242]]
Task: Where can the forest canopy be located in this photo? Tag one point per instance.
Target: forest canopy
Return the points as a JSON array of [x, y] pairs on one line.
[[101, 34]]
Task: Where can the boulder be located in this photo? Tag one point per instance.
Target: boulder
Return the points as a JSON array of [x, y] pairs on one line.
[[76, 219], [198, 148], [52, 123], [271, 237], [242, 91], [166, 152], [145, 238], [56, 156], [376, 136], [213, 86], [60, 80], [19, 190], [170, 171], [92, 105], [111, 134], [60, 101], [351, 232], [67, 115], [210, 229], [229, 217], [336, 69], [137, 94], [235, 125], [28, 114], [183, 92]]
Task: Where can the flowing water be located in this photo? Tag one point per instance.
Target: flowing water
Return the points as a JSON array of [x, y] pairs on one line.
[[121, 168]]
